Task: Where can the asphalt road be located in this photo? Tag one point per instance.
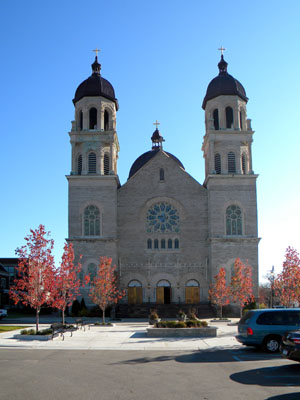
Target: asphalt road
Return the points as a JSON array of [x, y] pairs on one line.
[[203, 375]]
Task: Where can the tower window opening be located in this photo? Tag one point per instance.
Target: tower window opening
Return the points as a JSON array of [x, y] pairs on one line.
[[241, 120], [80, 120], [176, 244], [91, 221], [216, 119], [161, 174], [231, 163], [170, 244], [218, 163], [106, 120], [149, 244], [106, 164], [92, 163], [79, 164], [156, 243], [93, 118], [229, 117], [233, 220], [162, 244], [244, 163]]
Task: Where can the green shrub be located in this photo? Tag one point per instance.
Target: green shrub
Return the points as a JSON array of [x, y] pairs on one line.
[[83, 312], [103, 323], [192, 323], [33, 332], [75, 308]]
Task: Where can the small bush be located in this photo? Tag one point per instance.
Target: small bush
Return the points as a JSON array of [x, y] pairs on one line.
[[103, 323], [83, 312], [181, 324], [75, 308], [33, 332]]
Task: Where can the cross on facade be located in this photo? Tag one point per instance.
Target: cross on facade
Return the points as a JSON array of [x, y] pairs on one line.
[[96, 51], [156, 123], [222, 49]]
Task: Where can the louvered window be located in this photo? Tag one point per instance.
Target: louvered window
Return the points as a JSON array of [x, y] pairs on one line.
[[244, 163], [79, 164], [217, 163], [92, 163], [91, 221], [216, 119], [231, 163], [106, 164], [229, 117], [233, 220], [106, 120], [93, 118]]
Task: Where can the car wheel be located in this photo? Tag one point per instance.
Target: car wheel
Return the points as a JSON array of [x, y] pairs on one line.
[[272, 343]]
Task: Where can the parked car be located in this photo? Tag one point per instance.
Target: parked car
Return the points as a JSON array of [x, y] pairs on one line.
[[3, 313], [290, 345], [265, 328]]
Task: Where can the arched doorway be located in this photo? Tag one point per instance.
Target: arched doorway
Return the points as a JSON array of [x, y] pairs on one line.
[[163, 292], [135, 292], [192, 292]]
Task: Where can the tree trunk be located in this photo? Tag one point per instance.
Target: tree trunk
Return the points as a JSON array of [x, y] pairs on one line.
[[103, 315], [37, 320], [63, 316], [221, 311]]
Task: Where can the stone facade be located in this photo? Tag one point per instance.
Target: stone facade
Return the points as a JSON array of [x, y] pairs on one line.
[[167, 233]]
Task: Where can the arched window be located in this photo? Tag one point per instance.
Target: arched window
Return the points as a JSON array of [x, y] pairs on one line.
[[106, 120], [80, 120], [149, 244], [244, 163], [79, 164], [93, 118], [216, 119], [217, 163], [156, 243], [176, 244], [91, 221], [161, 174], [192, 283], [231, 163], [233, 220], [134, 283], [162, 244], [170, 243], [241, 119], [92, 163], [92, 271], [106, 164], [229, 117], [163, 283]]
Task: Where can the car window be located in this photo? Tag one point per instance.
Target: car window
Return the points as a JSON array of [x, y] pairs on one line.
[[292, 318], [245, 318], [279, 318]]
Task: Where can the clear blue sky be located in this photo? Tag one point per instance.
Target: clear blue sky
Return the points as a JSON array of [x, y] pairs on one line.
[[160, 57]]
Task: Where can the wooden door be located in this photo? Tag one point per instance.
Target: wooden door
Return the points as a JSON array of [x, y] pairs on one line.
[[139, 295], [160, 295], [192, 295], [131, 295]]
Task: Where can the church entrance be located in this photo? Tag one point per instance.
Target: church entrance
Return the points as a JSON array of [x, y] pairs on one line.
[[135, 292], [192, 292], [163, 292]]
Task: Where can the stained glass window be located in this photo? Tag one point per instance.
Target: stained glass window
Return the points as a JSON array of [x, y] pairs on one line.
[[162, 217], [233, 220], [91, 221]]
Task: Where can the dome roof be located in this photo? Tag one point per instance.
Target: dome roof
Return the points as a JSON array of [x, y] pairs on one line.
[[144, 158], [95, 85], [224, 84]]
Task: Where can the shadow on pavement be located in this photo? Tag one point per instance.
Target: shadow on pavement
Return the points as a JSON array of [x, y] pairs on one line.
[[213, 355], [285, 375], [288, 396]]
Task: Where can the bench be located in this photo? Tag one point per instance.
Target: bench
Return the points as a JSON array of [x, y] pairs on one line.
[[58, 328], [82, 323]]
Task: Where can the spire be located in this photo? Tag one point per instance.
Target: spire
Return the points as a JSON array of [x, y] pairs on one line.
[[222, 66], [156, 138], [96, 67]]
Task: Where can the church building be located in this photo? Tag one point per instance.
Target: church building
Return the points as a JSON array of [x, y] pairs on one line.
[[167, 234]]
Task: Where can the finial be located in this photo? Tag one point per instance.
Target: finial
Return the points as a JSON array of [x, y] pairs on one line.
[[222, 49], [156, 123], [96, 67]]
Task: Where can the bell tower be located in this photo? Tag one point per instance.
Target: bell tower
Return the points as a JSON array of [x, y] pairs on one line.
[[93, 180], [229, 176]]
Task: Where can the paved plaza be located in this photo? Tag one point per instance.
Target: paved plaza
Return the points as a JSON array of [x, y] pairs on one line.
[[125, 335]]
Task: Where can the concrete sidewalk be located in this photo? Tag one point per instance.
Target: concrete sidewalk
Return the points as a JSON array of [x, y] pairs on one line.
[[125, 335]]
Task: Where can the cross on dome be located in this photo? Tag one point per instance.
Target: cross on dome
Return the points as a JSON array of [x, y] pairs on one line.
[[97, 51], [156, 123], [222, 49]]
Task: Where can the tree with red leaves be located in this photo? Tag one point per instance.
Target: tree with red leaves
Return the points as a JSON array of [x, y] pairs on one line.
[[241, 285], [219, 293], [67, 282], [287, 284], [34, 285], [104, 289]]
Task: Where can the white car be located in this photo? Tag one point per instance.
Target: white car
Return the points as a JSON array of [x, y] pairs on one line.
[[3, 313]]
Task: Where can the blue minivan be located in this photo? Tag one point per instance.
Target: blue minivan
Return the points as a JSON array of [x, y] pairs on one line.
[[265, 328]]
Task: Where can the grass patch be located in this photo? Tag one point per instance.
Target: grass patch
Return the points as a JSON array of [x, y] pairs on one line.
[[11, 328]]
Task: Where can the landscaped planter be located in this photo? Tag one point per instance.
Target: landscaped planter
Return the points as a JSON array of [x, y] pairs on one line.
[[33, 337], [210, 331]]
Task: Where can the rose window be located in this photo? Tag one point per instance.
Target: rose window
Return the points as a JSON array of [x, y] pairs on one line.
[[162, 217]]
